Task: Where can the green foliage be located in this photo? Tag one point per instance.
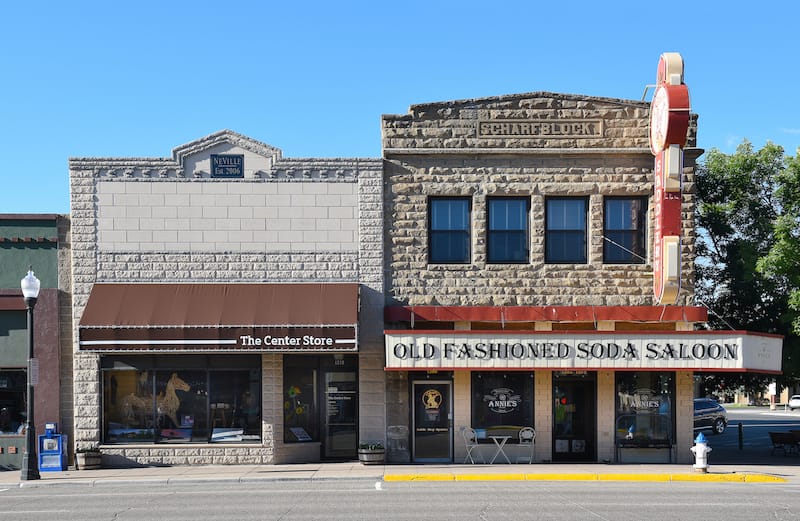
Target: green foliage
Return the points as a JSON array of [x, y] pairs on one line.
[[747, 251], [783, 259]]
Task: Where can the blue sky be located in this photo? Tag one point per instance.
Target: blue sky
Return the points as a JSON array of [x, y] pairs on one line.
[[136, 79]]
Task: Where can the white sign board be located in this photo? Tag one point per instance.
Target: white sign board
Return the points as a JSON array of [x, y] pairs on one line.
[[674, 350]]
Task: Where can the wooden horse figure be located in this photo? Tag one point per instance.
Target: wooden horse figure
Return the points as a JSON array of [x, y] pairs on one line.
[[167, 403]]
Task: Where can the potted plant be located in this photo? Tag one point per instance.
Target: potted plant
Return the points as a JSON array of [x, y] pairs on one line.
[[371, 453], [88, 458]]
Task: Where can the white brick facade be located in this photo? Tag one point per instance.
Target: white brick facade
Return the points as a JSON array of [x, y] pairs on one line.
[[167, 220]]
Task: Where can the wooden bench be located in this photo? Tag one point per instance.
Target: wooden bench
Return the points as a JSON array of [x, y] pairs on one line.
[[785, 441]]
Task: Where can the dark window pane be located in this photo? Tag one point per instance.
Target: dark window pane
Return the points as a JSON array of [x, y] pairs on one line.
[[645, 412], [508, 246], [449, 232], [565, 237], [502, 399], [209, 403], [624, 230], [508, 230], [300, 412]]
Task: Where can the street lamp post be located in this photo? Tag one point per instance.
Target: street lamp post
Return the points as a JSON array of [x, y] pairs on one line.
[[30, 465]]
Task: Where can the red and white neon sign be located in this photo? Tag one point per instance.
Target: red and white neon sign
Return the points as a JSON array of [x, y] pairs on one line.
[[669, 122]]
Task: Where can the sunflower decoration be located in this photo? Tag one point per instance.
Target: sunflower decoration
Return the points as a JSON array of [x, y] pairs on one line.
[[293, 406]]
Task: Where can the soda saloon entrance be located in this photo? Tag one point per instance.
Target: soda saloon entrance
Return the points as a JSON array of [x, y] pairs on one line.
[[574, 416]]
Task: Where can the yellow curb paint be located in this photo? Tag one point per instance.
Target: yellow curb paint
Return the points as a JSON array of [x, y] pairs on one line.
[[710, 478], [705, 478], [561, 477], [633, 477], [763, 478], [490, 477]]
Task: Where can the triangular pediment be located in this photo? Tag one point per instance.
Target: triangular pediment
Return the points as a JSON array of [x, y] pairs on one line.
[[222, 142]]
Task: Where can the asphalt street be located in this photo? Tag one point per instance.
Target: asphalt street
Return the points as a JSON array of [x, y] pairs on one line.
[[370, 500], [756, 447]]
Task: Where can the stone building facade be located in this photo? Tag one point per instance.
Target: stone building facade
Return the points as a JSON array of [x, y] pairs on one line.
[[226, 213], [530, 311]]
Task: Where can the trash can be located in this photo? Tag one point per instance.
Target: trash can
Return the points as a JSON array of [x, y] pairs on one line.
[[52, 453]]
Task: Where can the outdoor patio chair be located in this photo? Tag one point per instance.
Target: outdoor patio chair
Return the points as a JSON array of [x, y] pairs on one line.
[[527, 437], [470, 442]]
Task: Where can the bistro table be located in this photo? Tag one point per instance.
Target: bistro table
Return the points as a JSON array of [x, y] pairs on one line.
[[500, 443]]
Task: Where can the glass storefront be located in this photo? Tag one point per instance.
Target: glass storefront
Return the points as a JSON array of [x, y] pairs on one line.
[[502, 399], [181, 399], [644, 409], [320, 402]]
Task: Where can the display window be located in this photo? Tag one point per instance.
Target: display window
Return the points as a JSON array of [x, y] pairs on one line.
[[645, 414], [502, 400], [191, 399], [13, 388]]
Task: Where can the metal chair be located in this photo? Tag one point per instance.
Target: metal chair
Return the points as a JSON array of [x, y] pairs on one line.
[[470, 442], [527, 436]]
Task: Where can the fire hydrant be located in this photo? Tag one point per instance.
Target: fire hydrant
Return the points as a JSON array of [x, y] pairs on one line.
[[700, 450]]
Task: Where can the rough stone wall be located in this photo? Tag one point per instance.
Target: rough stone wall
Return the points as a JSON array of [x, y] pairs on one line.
[[66, 386], [95, 261], [541, 120], [440, 150]]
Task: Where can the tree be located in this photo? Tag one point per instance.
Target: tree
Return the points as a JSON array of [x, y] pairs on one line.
[[740, 203], [783, 259]]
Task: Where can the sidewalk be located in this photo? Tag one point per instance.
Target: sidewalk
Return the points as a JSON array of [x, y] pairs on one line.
[[392, 473]]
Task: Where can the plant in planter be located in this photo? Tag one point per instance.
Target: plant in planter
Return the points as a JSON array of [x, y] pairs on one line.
[[88, 458], [371, 453]]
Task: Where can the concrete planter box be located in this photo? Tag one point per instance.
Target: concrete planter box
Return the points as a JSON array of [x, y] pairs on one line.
[[88, 460]]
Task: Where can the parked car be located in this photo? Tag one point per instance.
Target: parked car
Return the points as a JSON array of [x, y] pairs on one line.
[[794, 402], [710, 415]]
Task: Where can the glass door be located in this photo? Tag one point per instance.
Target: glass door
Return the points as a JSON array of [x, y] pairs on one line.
[[432, 408], [574, 416]]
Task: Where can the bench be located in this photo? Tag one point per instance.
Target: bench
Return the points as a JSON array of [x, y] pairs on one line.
[[784, 441]]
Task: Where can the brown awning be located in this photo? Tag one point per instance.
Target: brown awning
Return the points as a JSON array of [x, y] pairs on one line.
[[252, 317]]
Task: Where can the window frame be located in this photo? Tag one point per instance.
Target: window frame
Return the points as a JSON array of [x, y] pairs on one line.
[[548, 232], [636, 256], [467, 259], [506, 258]]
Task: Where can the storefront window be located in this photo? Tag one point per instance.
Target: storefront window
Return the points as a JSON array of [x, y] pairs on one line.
[[645, 412], [300, 417], [320, 402], [151, 399], [13, 390], [502, 400]]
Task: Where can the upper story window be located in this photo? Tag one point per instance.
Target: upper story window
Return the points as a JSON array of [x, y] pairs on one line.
[[508, 230], [625, 224], [449, 230], [565, 229]]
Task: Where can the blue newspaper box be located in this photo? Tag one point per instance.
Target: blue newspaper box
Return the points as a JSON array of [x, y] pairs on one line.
[[52, 449]]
